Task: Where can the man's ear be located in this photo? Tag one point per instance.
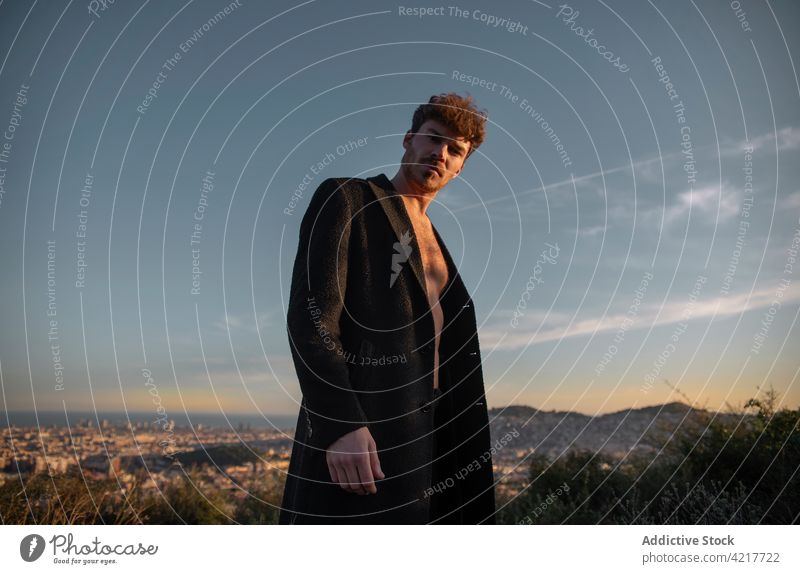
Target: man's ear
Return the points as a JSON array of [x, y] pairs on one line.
[[407, 139]]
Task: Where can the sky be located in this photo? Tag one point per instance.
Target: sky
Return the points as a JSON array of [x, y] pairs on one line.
[[627, 230]]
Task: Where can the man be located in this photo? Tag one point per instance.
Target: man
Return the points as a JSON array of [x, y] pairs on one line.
[[393, 424]]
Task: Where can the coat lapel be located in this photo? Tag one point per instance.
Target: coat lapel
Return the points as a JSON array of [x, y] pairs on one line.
[[395, 210], [392, 204], [454, 295]]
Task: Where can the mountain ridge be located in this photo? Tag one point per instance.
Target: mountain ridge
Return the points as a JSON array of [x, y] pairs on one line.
[[619, 433]]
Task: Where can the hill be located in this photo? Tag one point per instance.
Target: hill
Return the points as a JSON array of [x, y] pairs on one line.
[[555, 432]]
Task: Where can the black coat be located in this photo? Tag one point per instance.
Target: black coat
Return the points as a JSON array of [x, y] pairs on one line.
[[362, 346]]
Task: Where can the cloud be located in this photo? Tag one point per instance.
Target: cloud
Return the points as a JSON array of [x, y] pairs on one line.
[[791, 201], [648, 170], [229, 378], [593, 230], [717, 203], [788, 138], [252, 361], [714, 203], [565, 183], [502, 337], [244, 321]]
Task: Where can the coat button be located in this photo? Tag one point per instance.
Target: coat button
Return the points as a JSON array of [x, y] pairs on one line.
[[426, 407]]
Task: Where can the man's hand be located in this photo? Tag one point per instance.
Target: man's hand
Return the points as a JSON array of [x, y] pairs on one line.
[[353, 461]]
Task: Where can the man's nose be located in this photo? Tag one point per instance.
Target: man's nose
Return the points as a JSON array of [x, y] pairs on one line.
[[440, 152], [440, 149]]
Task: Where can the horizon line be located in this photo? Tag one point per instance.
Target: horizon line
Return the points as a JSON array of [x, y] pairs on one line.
[[267, 417]]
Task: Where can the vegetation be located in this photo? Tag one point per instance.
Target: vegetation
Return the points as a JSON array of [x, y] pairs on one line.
[[742, 469], [73, 499]]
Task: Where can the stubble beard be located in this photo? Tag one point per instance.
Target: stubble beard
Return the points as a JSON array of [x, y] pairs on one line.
[[416, 172]]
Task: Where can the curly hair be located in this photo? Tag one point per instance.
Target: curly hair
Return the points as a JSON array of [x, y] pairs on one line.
[[456, 112]]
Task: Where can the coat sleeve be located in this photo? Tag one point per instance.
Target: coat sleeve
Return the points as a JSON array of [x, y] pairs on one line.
[[316, 302]]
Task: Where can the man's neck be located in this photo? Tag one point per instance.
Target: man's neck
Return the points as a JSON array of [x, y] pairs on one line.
[[416, 201]]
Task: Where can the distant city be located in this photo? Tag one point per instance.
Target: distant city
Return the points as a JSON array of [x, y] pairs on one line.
[[59, 418], [235, 452], [149, 454]]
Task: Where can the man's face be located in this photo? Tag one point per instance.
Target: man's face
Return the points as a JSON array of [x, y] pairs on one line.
[[434, 155]]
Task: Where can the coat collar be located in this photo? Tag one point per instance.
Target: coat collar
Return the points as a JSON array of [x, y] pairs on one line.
[[395, 209]]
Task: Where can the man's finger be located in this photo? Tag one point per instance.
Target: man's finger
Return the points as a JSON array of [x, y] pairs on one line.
[[374, 460], [333, 473], [365, 474], [375, 465], [352, 478], [344, 481], [340, 477]]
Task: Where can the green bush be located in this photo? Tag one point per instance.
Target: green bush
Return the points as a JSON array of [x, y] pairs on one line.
[[740, 468]]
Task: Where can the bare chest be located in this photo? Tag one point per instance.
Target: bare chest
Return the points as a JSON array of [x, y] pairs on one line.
[[436, 278], [433, 263]]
